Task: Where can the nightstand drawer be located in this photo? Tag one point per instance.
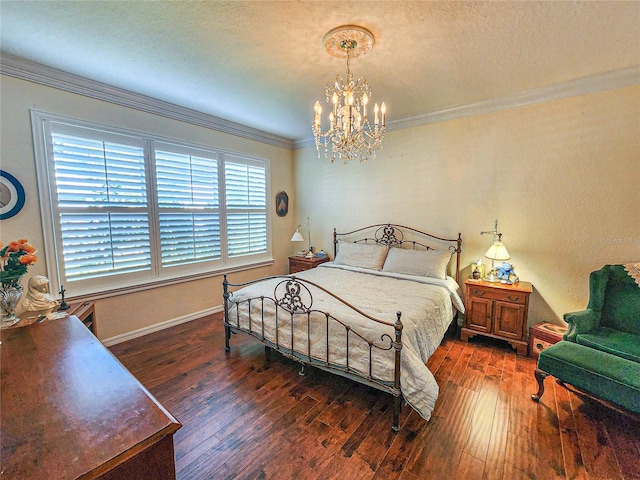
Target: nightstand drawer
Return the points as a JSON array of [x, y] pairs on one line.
[[297, 268], [501, 295], [300, 264]]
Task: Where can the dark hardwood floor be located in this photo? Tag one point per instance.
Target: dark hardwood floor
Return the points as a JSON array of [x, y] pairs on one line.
[[242, 420]]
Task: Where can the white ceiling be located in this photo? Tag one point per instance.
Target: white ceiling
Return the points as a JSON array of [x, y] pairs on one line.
[[262, 63]]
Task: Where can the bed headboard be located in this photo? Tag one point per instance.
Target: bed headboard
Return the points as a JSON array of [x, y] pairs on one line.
[[392, 235]]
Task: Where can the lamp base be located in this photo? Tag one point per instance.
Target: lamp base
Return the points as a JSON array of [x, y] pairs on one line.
[[492, 277]]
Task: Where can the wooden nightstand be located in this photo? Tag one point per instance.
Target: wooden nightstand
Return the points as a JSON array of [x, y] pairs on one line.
[[497, 310], [543, 335], [300, 264]]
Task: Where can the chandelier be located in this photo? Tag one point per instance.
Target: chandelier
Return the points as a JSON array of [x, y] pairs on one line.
[[350, 133]]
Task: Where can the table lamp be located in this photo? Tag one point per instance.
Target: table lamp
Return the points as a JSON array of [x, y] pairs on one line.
[[297, 236], [497, 251]]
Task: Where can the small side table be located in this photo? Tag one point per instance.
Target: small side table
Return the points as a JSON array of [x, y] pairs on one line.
[[543, 335], [497, 310], [300, 264]]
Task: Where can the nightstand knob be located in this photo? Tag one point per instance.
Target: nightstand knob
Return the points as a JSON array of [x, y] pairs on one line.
[[512, 299], [479, 293]]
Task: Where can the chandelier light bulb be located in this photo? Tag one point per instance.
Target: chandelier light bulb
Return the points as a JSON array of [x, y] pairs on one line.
[[349, 97]]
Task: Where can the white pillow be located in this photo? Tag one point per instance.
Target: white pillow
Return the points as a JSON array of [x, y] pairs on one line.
[[361, 255], [425, 263]]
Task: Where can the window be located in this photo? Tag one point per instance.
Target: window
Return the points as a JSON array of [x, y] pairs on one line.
[[246, 212], [127, 209], [188, 206]]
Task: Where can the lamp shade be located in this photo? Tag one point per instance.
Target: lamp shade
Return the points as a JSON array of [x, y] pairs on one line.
[[497, 251], [297, 236]]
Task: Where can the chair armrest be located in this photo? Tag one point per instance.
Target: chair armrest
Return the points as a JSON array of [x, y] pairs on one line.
[[580, 322]]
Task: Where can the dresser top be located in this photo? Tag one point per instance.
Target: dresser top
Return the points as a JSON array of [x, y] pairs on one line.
[[69, 407]]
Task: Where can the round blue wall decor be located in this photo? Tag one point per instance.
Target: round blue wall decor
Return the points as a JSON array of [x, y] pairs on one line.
[[11, 195]]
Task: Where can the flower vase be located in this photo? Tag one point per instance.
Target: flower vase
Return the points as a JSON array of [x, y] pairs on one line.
[[10, 293]]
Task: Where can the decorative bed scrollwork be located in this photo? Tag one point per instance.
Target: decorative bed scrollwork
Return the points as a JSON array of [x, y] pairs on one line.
[[391, 235]]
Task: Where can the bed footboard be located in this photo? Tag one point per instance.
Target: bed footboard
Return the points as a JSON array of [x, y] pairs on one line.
[[295, 318]]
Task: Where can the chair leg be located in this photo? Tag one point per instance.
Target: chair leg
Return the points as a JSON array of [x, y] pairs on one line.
[[540, 376]]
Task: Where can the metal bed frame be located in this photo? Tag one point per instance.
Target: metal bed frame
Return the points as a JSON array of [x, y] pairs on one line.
[[293, 298]]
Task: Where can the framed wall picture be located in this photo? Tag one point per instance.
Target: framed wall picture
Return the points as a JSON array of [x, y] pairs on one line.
[[11, 195], [282, 204]]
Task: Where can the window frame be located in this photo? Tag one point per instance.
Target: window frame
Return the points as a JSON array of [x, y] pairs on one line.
[[44, 123]]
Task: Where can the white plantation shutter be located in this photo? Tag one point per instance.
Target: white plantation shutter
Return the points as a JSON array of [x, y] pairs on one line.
[[188, 237], [98, 173], [100, 244], [186, 180], [189, 204], [247, 233], [245, 185], [123, 209], [102, 200]]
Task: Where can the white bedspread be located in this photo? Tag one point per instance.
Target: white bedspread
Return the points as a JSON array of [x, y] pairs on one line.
[[426, 308]]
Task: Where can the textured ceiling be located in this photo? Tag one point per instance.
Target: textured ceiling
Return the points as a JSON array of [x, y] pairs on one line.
[[262, 63]]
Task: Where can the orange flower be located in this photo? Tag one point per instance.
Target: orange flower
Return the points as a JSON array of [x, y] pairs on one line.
[[23, 240], [14, 247], [28, 248], [28, 259]]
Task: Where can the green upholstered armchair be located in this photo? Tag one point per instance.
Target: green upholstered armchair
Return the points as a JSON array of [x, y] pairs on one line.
[[600, 353], [611, 322]]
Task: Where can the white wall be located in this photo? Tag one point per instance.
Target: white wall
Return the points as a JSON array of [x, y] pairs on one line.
[[126, 313], [562, 177]]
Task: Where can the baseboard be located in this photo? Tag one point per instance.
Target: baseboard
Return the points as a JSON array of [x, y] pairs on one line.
[[107, 342]]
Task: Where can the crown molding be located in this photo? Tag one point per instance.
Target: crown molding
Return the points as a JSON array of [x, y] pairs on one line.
[[581, 86], [23, 69]]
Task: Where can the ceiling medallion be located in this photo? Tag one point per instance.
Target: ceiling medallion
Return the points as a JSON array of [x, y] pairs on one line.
[[350, 134]]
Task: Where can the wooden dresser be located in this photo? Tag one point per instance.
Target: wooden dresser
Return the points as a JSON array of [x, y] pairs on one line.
[[71, 410]]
